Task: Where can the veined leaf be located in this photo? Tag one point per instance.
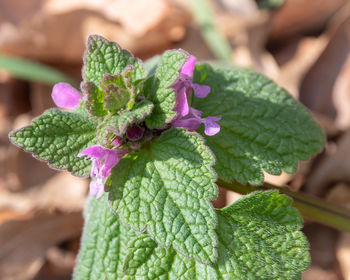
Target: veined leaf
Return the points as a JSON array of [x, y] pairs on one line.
[[166, 188], [159, 88], [262, 126], [119, 123], [104, 243], [57, 137], [259, 239], [105, 57]]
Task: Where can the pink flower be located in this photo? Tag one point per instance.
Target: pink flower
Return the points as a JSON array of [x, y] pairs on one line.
[[187, 116], [103, 160], [66, 96], [184, 85], [193, 120]]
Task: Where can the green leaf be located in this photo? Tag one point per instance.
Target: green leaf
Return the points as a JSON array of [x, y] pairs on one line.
[[57, 137], [119, 123], [32, 71], [104, 243], [115, 98], [159, 88], [105, 57], [262, 126], [118, 89], [95, 99], [166, 188], [259, 239]]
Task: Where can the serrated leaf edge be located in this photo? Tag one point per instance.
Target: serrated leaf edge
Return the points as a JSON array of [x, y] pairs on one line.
[[11, 133]]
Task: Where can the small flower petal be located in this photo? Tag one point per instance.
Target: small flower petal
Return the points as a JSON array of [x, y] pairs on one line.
[[188, 68], [210, 126], [113, 158], [95, 151], [181, 107], [66, 96], [94, 187], [194, 113], [191, 123], [200, 91]]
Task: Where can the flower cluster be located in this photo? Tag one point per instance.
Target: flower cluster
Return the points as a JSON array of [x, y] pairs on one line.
[[187, 116], [103, 159]]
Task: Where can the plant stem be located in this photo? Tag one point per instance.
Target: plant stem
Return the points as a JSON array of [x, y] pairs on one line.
[[216, 41], [313, 208], [33, 71]]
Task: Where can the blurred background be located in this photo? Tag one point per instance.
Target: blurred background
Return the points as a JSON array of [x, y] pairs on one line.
[[303, 45]]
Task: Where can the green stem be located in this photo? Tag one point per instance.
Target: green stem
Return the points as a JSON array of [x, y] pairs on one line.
[[216, 41], [33, 71], [313, 208]]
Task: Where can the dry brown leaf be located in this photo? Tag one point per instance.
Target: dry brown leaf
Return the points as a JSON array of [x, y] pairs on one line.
[[57, 30], [340, 195], [343, 254], [292, 72], [62, 191], [318, 273], [341, 94], [23, 243], [317, 87], [130, 14], [278, 180], [297, 17], [334, 167]]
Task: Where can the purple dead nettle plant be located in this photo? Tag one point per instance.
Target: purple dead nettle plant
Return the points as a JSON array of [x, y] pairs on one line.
[[104, 159], [136, 129]]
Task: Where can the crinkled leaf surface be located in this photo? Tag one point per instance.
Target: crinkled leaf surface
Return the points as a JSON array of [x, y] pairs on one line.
[[104, 243], [262, 126], [57, 137], [119, 123], [166, 188], [105, 57], [159, 90], [95, 99], [259, 239]]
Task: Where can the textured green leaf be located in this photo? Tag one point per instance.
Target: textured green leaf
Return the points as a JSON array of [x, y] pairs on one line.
[[119, 123], [57, 137], [104, 243], [104, 57], [159, 90], [115, 97], [117, 90], [262, 126], [167, 188], [259, 239], [95, 99]]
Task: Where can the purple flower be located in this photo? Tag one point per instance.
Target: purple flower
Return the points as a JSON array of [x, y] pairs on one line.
[[103, 160], [184, 85], [117, 142], [210, 126], [193, 120], [66, 96], [187, 116], [188, 68]]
